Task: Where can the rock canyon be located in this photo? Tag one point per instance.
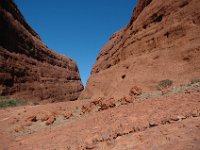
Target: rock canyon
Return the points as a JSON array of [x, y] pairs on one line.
[[143, 92]]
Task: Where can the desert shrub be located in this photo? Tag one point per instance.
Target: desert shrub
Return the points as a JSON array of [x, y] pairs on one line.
[[4, 103], [85, 98], [193, 81], [3, 97], [165, 83]]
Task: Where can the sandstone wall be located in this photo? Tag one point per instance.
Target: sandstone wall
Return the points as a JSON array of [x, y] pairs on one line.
[[28, 68], [161, 41]]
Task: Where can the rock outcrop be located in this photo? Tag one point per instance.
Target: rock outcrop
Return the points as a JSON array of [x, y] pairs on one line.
[[28, 68], [162, 41]]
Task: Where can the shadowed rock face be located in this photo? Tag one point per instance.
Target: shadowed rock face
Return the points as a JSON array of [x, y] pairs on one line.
[[28, 68], [161, 41]]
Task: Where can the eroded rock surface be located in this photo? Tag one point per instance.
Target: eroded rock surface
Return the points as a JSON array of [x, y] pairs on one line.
[[28, 68], [166, 122], [162, 41]]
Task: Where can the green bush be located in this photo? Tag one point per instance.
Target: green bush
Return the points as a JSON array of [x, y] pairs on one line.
[[165, 83], [4, 103]]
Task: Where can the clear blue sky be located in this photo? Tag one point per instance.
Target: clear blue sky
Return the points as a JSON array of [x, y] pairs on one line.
[[77, 28]]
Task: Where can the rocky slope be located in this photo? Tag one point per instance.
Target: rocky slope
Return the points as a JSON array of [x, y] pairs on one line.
[[166, 122], [162, 41], [28, 68]]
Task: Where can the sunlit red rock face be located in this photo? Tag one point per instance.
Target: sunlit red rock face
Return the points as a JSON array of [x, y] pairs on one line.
[[28, 68], [162, 41]]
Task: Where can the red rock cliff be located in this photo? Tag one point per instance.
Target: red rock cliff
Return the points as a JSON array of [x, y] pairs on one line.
[[28, 68], [162, 41]]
